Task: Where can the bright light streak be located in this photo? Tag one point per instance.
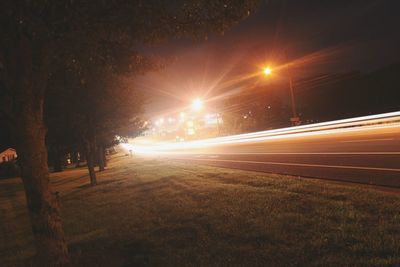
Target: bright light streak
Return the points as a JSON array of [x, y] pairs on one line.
[[200, 144], [366, 123], [126, 146], [352, 122], [136, 149]]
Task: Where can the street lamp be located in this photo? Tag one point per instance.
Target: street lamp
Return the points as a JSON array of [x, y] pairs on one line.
[[197, 104], [295, 118], [267, 71]]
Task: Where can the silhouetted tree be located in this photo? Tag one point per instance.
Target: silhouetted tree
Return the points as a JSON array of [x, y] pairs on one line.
[[34, 35], [103, 109]]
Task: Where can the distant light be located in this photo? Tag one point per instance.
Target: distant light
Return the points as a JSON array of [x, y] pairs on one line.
[[197, 104], [191, 131], [182, 116], [267, 71], [159, 121]]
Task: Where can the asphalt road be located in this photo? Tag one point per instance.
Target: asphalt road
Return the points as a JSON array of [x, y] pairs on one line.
[[368, 154]]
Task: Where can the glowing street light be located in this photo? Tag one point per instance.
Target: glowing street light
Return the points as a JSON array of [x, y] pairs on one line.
[[197, 104], [267, 71], [295, 118]]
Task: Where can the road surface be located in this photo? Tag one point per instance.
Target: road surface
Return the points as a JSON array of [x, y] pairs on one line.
[[368, 154], [363, 150]]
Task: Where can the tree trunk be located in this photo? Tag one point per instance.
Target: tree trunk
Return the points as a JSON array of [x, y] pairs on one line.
[[82, 157], [57, 160], [104, 156], [43, 204], [90, 156], [75, 158], [100, 156], [27, 71]]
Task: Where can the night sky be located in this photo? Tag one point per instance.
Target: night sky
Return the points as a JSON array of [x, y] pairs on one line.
[[322, 36]]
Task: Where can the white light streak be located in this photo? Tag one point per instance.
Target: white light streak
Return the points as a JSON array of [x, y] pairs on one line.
[[358, 124]]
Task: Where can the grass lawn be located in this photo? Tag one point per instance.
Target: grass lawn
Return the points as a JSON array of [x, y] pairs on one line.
[[152, 212]]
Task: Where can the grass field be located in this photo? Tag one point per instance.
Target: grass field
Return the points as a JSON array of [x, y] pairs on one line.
[[149, 212]]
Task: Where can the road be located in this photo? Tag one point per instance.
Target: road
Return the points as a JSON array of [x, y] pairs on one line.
[[368, 153]]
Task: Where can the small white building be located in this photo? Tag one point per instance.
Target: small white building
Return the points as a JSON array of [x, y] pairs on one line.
[[8, 155]]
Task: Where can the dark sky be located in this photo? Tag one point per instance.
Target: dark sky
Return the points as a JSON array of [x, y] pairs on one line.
[[318, 36]]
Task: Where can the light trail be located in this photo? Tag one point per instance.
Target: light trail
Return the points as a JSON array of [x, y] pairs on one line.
[[359, 124]]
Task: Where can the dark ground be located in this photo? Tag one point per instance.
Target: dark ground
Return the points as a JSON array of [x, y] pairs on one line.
[[148, 212]]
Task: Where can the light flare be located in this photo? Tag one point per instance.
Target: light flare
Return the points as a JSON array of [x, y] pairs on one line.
[[197, 104]]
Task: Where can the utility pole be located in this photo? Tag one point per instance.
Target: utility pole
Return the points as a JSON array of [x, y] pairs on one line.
[[295, 120]]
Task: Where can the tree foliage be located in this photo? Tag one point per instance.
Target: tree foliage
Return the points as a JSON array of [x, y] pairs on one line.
[[39, 36]]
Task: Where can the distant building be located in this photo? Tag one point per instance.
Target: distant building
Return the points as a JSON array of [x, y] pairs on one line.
[[8, 155]]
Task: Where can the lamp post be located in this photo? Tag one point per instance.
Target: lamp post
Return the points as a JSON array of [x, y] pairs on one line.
[[295, 120]]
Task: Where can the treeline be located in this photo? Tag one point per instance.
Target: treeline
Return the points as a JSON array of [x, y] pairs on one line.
[[90, 101], [88, 106]]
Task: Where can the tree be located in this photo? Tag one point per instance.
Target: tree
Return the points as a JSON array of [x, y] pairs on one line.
[[103, 104], [35, 34], [102, 110]]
